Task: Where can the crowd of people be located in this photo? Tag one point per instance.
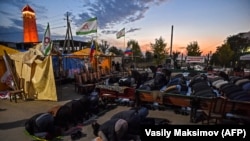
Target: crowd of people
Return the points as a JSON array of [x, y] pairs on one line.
[[62, 120]]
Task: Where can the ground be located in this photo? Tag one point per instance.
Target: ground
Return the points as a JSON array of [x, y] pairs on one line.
[[13, 115]]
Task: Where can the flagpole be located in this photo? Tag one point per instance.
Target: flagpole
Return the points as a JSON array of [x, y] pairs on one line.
[[124, 41], [97, 48], [132, 53]]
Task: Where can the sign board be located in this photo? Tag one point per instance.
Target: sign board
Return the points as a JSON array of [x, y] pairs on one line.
[[195, 59]]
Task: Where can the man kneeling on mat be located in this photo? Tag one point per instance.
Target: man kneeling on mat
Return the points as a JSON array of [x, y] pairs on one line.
[[42, 125], [134, 117], [124, 125], [111, 130]]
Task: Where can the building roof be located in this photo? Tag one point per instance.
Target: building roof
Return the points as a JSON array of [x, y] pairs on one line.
[[28, 8]]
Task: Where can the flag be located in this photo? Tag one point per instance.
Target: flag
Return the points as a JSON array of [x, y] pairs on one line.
[[121, 33], [7, 78], [46, 43], [128, 50], [90, 26], [92, 50]]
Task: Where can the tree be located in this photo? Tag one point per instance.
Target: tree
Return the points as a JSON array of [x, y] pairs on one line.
[[116, 51], [239, 45], [148, 56], [193, 49], [224, 54], [104, 46], [159, 50], [214, 59], [136, 50]]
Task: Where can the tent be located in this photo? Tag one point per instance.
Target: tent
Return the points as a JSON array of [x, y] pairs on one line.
[[37, 71], [71, 65], [3, 69], [99, 58], [245, 57], [85, 52]]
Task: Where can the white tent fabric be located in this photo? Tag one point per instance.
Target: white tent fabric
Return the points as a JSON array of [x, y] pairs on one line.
[[245, 57]]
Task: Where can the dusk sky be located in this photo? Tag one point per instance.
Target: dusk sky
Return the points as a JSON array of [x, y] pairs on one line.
[[209, 22]]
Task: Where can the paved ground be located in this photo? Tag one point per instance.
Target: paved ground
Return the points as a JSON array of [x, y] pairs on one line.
[[13, 115]]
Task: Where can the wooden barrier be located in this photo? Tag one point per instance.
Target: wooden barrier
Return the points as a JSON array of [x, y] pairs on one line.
[[238, 109], [115, 92], [149, 96]]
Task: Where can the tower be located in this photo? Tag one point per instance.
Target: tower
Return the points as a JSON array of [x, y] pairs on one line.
[[29, 25]]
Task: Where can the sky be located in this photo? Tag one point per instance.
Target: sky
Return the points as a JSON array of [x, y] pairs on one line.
[[207, 22]]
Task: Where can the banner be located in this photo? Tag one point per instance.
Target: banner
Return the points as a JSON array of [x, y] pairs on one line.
[[121, 33], [195, 59], [90, 26]]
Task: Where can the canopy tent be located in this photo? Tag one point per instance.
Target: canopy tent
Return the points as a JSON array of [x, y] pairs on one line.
[[245, 57], [37, 73], [3, 69], [84, 52], [99, 58]]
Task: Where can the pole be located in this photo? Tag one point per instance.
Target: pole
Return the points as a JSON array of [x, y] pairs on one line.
[[124, 41], [97, 48], [132, 52], [181, 58], [68, 38], [171, 43]]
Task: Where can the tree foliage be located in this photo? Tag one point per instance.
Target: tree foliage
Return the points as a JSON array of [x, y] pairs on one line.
[[137, 53], [135, 48], [159, 50], [193, 49], [149, 56], [104, 46], [116, 51], [239, 45], [224, 54]]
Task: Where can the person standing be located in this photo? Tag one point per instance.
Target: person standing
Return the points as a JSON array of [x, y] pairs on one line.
[[117, 66]]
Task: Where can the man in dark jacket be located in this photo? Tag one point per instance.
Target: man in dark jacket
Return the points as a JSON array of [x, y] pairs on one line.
[[134, 117], [159, 79], [124, 125], [111, 130], [42, 125]]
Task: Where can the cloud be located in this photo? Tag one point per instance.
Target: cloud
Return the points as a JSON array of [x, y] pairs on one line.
[[11, 34], [109, 31], [132, 30], [111, 13]]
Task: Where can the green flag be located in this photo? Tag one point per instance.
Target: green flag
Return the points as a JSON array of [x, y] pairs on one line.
[[46, 44]]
